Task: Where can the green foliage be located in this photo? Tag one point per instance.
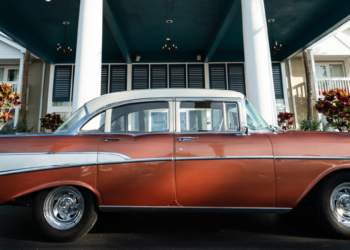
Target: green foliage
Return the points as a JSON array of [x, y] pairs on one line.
[[7, 129], [22, 127], [309, 125]]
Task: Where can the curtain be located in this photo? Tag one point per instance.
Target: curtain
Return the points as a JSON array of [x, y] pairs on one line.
[[321, 71], [336, 70]]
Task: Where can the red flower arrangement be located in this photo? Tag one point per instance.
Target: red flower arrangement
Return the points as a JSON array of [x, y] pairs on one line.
[[51, 121], [285, 120], [8, 100], [336, 108]]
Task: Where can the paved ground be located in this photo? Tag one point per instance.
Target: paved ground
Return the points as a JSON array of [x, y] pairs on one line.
[[297, 230]]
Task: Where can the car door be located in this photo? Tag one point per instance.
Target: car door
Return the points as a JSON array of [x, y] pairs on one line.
[[214, 165], [135, 155]]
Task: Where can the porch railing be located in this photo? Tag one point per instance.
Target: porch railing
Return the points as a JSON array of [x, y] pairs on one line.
[[14, 87], [326, 84]]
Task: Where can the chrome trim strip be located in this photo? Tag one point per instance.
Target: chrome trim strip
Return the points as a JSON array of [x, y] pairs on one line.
[[312, 157], [194, 209], [26, 170], [222, 158], [136, 160], [114, 105], [206, 99]]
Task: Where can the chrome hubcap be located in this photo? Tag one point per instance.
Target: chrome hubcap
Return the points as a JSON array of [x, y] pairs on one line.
[[340, 203], [64, 207]]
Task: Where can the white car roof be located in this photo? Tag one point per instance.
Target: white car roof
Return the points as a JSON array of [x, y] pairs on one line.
[[123, 96]]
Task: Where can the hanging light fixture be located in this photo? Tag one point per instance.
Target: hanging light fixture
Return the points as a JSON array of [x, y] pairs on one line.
[[169, 48], [275, 47], [64, 50]]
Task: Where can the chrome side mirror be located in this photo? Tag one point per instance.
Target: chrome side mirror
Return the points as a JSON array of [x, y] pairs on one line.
[[274, 129], [245, 131]]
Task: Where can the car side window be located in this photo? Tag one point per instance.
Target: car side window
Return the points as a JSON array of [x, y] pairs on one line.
[[232, 116], [202, 116], [141, 118], [95, 125]]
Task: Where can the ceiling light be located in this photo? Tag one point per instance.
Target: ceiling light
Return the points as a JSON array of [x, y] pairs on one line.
[[48, 0], [138, 58], [64, 50], [169, 48], [275, 46], [199, 57]]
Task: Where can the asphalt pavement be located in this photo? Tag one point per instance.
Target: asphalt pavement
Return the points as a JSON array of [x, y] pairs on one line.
[[296, 230]]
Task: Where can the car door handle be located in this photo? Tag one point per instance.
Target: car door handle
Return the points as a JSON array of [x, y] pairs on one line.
[[186, 138], [112, 139]]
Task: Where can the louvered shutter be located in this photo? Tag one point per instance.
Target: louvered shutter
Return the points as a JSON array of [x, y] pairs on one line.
[[117, 78], [158, 76], [62, 82], [140, 77], [196, 76], [177, 77], [217, 76], [104, 80], [277, 80], [236, 80]]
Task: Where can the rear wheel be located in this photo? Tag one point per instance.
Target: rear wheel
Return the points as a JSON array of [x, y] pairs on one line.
[[332, 204], [65, 213]]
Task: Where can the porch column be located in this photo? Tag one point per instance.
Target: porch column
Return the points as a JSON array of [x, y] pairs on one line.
[[258, 68], [87, 80]]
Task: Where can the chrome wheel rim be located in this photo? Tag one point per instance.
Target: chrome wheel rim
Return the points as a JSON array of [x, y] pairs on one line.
[[64, 207], [340, 203]]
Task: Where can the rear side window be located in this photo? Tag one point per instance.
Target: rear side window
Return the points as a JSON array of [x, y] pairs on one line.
[[141, 118]]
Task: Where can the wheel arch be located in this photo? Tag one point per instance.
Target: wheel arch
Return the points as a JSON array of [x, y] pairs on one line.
[[319, 180], [50, 185]]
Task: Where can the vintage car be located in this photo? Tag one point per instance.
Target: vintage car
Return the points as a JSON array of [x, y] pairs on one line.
[[182, 150]]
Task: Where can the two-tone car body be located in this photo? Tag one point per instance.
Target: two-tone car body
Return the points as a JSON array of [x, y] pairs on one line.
[[172, 150]]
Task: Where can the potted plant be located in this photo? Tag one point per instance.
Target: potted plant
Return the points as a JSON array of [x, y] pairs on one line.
[[285, 120], [336, 108], [51, 122], [8, 100]]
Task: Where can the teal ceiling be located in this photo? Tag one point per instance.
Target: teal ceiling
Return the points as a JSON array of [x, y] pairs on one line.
[[140, 28]]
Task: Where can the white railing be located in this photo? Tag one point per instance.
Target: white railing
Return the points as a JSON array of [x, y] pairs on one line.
[[14, 86], [326, 84]]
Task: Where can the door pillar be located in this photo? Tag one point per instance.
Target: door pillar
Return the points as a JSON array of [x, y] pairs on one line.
[[258, 68], [87, 80]]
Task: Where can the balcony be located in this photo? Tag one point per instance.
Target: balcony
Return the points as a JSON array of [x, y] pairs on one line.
[[326, 84]]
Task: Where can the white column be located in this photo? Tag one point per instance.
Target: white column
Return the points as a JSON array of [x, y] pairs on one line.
[[258, 69], [292, 91], [206, 76], [41, 94], [19, 88], [88, 61], [129, 76], [285, 88]]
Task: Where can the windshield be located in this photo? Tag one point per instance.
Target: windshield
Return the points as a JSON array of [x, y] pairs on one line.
[[77, 115], [254, 120]]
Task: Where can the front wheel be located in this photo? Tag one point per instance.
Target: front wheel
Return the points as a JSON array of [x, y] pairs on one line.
[[65, 213], [332, 204]]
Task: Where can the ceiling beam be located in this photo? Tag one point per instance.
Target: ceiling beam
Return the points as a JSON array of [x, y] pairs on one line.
[[328, 22], [227, 16], [108, 10]]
